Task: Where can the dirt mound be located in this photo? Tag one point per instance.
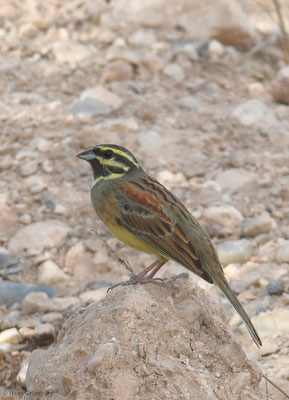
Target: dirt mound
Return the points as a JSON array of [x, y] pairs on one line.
[[154, 341]]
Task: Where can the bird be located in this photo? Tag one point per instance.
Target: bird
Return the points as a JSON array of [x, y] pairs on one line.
[[142, 213]]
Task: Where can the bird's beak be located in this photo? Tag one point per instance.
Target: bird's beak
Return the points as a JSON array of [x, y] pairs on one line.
[[86, 155]]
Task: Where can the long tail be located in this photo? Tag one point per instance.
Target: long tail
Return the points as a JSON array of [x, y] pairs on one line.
[[224, 286]]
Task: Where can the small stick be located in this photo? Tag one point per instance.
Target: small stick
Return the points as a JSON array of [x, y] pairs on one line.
[[113, 253], [276, 387]]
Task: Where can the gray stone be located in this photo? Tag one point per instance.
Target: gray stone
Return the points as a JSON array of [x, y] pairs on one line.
[[254, 114], [235, 251], [117, 71], [29, 168], [189, 103], [103, 95], [276, 288], [89, 108], [39, 235], [70, 51], [14, 292], [11, 320], [7, 260], [235, 179]]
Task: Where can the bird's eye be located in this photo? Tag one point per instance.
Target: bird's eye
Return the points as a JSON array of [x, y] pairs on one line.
[[108, 154]]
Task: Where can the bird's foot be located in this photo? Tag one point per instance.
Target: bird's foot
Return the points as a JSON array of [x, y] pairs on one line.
[[135, 279]]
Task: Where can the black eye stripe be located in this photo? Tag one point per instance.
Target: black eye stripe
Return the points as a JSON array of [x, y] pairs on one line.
[[107, 154]]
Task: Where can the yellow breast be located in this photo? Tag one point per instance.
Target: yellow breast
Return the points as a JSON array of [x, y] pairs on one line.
[[130, 239]]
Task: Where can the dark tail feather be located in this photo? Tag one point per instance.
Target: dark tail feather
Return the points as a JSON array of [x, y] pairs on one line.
[[224, 286]]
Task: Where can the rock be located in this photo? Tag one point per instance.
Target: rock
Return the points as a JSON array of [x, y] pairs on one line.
[[216, 49], [50, 273], [142, 37], [189, 103], [93, 295], [70, 51], [269, 346], [44, 145], [234, 251], [11, 336], [29, 168], [276, 288], [77, 260], [8, 260], [60, 209], [167, 178], [235, 179], [282, 255], [227, 216], [39, 302], [43, 334], [103, 95], [89, 108], [21, 376], [257, 90], [264, 223], [255, 114], [273, 323], [175, 71], [179, 338], [52, 317], [25, 219], [11, 320], [117, 71], [39, 235], [14, 292], [280, 86]]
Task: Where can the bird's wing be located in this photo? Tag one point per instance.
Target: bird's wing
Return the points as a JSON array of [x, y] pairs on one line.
[[152, 214]]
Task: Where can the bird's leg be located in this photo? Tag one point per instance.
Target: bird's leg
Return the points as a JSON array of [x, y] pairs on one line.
[[141, 277]]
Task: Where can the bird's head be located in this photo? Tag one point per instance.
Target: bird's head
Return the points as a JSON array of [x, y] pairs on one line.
[[109, 161]]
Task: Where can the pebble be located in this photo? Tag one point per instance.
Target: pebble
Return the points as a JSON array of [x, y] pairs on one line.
[[14, 292], [188, 103], [25, 219], [52, 317], [216, 49], [50, 273], [47, 166], [43, 145], [263, 223], [7, 260], [276, 288], [117, 71], [40, 302], [280, 86], [11, 336], [77, 259], [142, 37], [257, 90], [60, 209], [70, 51], [175, 71], [272, 323], [167, 178], [103, 95], [93, 295], [255, 114], [234, 251], [226, 216], [39, 235], [21, 376], [89, 108], [11, 320], [106, 36], [29, 168], [43, 333], [235, 179], [282, 254]]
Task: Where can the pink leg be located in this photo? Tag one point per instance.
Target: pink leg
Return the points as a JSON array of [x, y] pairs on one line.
[[158, 266]]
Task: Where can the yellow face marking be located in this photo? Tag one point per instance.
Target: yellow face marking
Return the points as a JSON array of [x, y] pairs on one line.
[[105, 178], [120, 153], [112, 163]]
